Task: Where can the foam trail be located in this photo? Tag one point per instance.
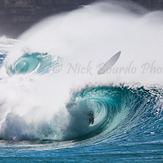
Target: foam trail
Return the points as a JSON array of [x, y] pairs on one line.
[[36, 105]]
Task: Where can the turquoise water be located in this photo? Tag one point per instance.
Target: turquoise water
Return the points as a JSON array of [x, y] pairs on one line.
[[56, 105], [127, 124], [39, 62]]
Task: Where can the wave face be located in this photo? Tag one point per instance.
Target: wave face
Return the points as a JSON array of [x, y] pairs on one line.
[[53, 101], [117, 109], [30, 63], [107, 110]]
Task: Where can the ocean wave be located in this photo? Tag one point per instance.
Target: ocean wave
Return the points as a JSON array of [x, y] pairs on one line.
[[74, 106], [110, 111], [33, 63]]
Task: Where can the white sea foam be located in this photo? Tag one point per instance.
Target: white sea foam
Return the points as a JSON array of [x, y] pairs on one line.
[[34, 106]]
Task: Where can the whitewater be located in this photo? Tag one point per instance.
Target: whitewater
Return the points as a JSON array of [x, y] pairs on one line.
[[54, 105]]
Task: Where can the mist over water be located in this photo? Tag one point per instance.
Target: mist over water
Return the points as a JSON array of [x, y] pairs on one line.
[[56, 103], [91, 35]]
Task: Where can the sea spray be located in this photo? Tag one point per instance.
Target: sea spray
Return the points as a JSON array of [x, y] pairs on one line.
[[57, 106]]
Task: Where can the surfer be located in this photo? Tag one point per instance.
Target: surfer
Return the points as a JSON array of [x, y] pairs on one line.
[[91, 117]]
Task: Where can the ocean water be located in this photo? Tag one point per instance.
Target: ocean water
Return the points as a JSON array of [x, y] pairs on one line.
[[56, 107]]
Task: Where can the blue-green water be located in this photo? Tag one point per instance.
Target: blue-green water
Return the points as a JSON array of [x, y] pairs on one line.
[[127, 126], [56, 107]]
